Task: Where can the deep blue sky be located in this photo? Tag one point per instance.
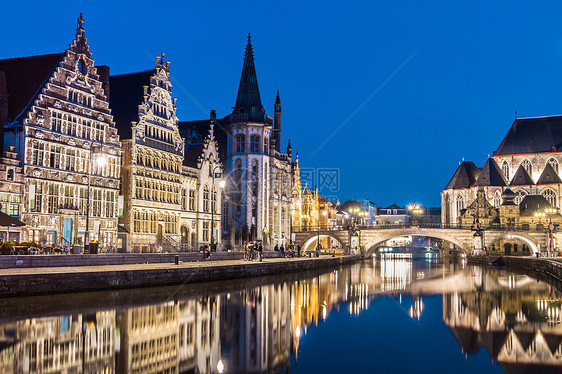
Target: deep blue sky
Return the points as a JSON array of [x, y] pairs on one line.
[[471, 65]]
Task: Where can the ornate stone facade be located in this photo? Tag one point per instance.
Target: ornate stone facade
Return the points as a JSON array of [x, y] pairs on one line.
[[169, 188], [56, 116], [527, 161]]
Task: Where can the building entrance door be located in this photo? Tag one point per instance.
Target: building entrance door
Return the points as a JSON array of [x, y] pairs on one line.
[[67, 232]]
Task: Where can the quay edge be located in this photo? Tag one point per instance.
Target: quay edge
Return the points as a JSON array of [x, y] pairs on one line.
[[83, 281]]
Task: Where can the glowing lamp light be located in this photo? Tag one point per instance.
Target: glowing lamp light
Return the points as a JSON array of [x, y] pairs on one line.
[[101, 161], [222, 184], [220, 367]]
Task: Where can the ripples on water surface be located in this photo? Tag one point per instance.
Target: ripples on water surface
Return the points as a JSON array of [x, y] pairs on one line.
[[390, 314]]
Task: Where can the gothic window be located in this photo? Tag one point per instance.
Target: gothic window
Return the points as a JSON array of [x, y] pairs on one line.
[[265, 144], [35, 201], [37, 153], [53, 198], [206, 226], [97, 203], [240, 143], [254, 143], [505, 169], [214, 200], [55, 157], [206, 198], [56, 121], [497, 199], [550, 196], [192, 200], [554, 164], [70, 160], [460, 204], [109, 204], [68, 196], [519, 196], [527, 166]]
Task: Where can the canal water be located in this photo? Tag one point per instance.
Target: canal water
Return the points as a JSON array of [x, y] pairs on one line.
[[398, 313]]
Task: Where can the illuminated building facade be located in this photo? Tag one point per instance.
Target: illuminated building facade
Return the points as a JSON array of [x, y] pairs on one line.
[[54, 109], [168, 186], [527, 160]]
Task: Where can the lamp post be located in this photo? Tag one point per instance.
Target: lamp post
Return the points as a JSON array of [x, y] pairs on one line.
[[550, 237], [415, 210], [101, 161], [222, 183]]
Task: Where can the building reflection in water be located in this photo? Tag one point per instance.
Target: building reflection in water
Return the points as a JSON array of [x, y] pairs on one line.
[[257, 329]]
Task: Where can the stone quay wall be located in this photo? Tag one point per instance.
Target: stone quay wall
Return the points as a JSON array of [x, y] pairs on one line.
[[26, 284], [542, 268]]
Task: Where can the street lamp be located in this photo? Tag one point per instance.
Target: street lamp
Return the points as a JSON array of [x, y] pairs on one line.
[[100, 161], [415, 210], [222, 183], [550, 237]]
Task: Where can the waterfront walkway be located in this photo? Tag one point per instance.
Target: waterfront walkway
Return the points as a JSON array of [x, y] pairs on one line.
[[44, 280]]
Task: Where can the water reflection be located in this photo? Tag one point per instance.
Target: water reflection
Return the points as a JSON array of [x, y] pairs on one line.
[[257, 326]]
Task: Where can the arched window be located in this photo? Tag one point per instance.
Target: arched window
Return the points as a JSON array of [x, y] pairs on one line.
[[206, 198], [527, 166], [460, 204], [505, 169], [214, 200], [554, 164], [519, 196], [254, 143], [240, 143], [550, 196], [497, 199]]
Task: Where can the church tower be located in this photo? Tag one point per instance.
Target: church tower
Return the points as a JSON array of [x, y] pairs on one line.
[[260, 182]]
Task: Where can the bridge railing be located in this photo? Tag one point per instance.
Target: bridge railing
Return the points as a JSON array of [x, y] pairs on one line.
[[430, 225]]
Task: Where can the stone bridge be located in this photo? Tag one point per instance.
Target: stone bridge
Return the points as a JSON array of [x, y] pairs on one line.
[[459, 239]]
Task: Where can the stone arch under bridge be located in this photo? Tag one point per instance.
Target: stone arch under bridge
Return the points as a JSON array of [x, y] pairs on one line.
[[462, 239]]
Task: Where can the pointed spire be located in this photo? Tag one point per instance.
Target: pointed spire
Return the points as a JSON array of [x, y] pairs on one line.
[[277, 99], [248, 99]]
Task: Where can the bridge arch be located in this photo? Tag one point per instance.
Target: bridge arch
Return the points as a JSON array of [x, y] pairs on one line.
[[307, 244], [376, 241], [530, 242]]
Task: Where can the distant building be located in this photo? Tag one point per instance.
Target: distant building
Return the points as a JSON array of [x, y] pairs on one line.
[[392, 215]]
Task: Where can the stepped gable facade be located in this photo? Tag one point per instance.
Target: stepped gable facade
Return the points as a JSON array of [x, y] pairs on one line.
[[55, 114], [171, 197]]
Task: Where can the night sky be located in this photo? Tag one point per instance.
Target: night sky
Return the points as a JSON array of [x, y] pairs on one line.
[[392, 94]]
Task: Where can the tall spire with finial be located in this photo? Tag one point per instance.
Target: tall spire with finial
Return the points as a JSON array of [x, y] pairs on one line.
[[277, 121], [248, 99]]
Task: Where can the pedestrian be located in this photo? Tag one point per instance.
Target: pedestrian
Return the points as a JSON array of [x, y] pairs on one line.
[[298, 250], [282, 251], [260, 249]]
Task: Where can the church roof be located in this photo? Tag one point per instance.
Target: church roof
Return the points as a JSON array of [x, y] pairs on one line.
[[25, 76], [532, 135], [194, 133], [464, 177], [248, 99], [521, 178], [491, 175], [125, 95], [549, 175], [533, 203]]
